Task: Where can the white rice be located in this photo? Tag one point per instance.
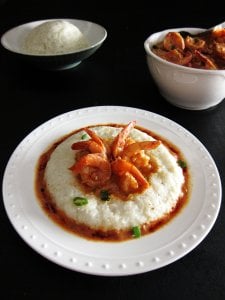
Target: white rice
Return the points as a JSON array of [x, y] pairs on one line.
[[54, 37], [159, 199]]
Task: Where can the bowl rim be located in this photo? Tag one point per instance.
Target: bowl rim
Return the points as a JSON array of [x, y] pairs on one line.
[[4, 35], [180, 67]]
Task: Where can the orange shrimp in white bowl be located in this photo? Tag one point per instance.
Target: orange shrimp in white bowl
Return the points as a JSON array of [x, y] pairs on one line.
[[188, 66]]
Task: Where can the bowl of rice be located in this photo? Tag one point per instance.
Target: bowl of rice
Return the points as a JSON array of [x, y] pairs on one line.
[[54, 44]]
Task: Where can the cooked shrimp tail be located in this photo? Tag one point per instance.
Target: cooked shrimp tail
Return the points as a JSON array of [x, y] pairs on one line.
[[94, 137], [94, 145], [208, 63], [134, 148], [120, 140]]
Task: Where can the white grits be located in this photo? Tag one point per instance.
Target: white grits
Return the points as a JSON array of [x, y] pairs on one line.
[[54, 37], [155, 202]]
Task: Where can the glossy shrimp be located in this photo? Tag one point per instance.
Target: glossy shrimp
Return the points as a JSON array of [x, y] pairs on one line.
[[219, 42], [94, 145], [135, 153], [120, 140], [94, 169], [173, 40], [219, 35], [174, 56], [126, 160], [220, 49], [129, 178], [194, 43], [206, 63]]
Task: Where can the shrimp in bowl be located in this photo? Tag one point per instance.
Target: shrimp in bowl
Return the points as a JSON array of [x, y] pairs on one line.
[[108, 182]]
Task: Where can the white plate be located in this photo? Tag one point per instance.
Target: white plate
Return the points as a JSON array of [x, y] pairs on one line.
[[150, 252]]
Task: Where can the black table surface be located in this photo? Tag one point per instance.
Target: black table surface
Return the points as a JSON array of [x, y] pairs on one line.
[[116, 74]]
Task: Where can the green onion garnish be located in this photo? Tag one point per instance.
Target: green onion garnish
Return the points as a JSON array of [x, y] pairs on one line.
[[182, 164], [136, 230], [104, 195], [80, 201], [84, 136]]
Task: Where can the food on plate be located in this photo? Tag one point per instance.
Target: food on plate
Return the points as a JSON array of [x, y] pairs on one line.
[[112, 182], [54, 37], [204, 50]]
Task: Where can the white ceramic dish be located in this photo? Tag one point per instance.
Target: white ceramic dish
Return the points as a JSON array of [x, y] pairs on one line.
[[150, 252], [185, 87], [13, 39]]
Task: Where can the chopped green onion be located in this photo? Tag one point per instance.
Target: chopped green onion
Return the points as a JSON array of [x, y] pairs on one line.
[[104, 195], [136, 230], [84, 136], [182, 164], [80, 201]]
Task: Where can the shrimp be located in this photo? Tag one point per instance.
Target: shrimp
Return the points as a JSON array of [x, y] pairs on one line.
[[135, 153], [220, 49], [208, 63], [120, 140], [133, 148], [219, 35], [173, 40], [94, 169], [129, 178], [177, 57], [194, 43], [126, 161], [94, 145]]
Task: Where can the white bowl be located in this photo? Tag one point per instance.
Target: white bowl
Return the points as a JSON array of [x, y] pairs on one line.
[[185, 87], [13, 40]]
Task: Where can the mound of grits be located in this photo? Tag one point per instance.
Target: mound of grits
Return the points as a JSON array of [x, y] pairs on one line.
[[159, 199], [54, 37]]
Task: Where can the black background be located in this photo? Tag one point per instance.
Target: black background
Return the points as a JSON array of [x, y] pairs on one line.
[[116, 74]]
